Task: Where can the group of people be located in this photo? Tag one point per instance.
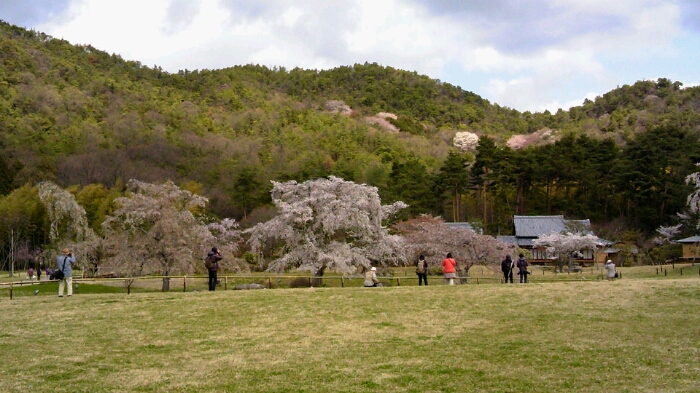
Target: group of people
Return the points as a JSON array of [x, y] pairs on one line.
[[64, 272], [449, 269], [508, 265], [449, 266]]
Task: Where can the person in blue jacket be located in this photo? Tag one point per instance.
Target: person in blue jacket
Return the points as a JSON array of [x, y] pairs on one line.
[[65, 264]]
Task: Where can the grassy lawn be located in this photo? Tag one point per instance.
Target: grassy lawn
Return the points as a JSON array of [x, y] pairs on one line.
[[632, 335]]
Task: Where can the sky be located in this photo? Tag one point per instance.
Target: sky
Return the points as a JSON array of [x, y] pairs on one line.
[[531, 55]]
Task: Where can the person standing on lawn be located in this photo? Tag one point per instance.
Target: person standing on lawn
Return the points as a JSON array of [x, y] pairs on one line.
[[507, 266], [448, 269], [522, 269], [611, 270], [422, 270], [65, 263], [212, 265]]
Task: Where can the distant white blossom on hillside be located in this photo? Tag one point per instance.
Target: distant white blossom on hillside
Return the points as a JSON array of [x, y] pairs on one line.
[[466, 141]]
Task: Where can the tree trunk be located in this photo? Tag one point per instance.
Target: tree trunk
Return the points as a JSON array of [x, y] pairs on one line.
[[319, 273], [484, 206], [166, 282]]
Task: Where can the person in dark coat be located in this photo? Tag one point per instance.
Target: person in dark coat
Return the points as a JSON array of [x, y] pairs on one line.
[[507, 266], [522, 269], [422, 270], [212, 265]]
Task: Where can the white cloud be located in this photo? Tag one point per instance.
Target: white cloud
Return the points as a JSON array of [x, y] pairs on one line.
[[526, 55]]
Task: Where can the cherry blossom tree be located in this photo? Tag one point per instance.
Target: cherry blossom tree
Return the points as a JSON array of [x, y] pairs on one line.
[[68, 224], [157, 229], [433, 238], [328, 224], [688, 218], [466, 141], [564, 246], [64, 213]]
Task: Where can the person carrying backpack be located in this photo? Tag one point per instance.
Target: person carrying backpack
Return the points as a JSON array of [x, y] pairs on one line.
[[422, 270], [212, 265]]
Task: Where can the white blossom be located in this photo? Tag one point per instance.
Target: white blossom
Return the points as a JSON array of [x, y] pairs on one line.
[[63, 211], [566, 245], [66, 214], [328, 224], [466, 141], [693, 200], [155, 230]]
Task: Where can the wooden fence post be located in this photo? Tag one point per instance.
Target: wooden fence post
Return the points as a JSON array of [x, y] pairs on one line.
[[184, 283], [269, 282], [10, 291], [225, 283], [398, 281], [342, 282]]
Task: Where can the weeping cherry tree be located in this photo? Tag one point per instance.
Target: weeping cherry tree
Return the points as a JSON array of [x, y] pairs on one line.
[[68, 222], [156, 230], [328, 224], [564, 246]]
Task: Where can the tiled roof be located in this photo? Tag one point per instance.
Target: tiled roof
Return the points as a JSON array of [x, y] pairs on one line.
[[464, 225], [535, 226], [507, 239], [692, 239]]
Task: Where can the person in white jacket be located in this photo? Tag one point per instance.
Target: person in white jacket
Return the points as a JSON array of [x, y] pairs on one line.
[[611, 270], [371, 278]]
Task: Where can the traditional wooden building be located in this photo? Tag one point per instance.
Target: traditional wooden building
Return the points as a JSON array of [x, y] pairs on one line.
[[530, 228], [691, 247]]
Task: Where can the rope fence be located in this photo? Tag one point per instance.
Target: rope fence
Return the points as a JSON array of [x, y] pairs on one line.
[[241, 282]]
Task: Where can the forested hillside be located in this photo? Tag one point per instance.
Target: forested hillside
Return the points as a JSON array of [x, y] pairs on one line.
[[90, 120]]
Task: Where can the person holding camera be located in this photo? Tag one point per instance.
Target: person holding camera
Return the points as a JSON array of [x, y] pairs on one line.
[[212, 265], [522, 269], [65, 263]]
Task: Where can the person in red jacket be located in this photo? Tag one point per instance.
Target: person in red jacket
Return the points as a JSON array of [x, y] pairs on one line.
[[448, 268]]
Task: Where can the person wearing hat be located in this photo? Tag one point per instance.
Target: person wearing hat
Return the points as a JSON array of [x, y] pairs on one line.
[[371, 277], [212, 265], [611, 270], [65, 263]]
